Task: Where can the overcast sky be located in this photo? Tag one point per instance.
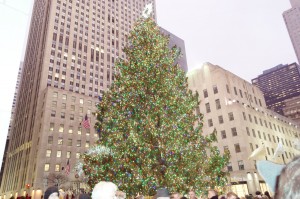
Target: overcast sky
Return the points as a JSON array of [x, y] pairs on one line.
[[244, 37]]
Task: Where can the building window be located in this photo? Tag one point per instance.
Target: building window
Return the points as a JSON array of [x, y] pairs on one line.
[[68, 154], [221, 121], [61, 128], [63, 106], [235, 91], [230, 116], [51, 127], [79, 130], [205, 93], [241, 165], [218, 105], [210, 122], [78, 144], [81, 101], [60, 141], [72, 107], [227, 88], [250, 118], [223, 134], [55, 94], [64, 96], [237, 148], [70, 129], [244, 116], [253, 133], [48, 153], [264, 134], [87, 144], [50, 139], [58, 154], [46, 167], [229, 167], [54, 104], [258, 132], [233, 131], [197, 111], [62, 115], [73, 99], [226, 149], [215, 89], [53, 113], [248, 131], [57, 167], [207, 106], [77, 155], [71, 116], [241, 93], [89, 103], [69, 142], [251, 147], [255, 119]]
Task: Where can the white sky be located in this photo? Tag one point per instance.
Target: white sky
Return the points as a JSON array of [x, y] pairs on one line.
[[244, 37]]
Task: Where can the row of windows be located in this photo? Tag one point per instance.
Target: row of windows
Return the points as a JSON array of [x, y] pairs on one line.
[[237, 148], [270, 151], [69, 142], [287, 142], [218, 106], [240, 164], [221, 119], [248, 96], [266, 124]]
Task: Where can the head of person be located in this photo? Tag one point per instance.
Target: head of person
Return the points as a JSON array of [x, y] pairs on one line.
[[231, 195], [104, 190], [84, 196], [288, 183], [212, 193], [267, 194], [51, 193], [258, 193], [176, 196], [192, 194], [162, 193]]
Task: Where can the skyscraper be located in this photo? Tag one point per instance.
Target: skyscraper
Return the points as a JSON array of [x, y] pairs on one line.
[[278, 84], [292, 22], [11, 119], [69, 61]]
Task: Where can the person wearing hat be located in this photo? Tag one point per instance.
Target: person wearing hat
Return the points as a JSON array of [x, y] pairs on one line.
[[51, 193], [162, 193]]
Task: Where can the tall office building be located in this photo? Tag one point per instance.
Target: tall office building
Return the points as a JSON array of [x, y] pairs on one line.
[[292, 22], [179, 43], [11, 119], [278, 84], [69, 61], [237, 111]]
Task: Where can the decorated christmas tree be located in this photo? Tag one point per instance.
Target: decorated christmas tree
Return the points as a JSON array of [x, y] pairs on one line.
[[150, 134]]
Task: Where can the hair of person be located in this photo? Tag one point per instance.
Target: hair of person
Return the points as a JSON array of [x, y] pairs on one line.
[[229, 194], [288, 183]]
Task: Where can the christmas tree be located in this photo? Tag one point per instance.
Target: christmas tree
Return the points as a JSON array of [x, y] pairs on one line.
[[150, 136]]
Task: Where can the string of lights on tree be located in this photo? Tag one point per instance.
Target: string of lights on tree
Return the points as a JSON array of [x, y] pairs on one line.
[[150, 136]]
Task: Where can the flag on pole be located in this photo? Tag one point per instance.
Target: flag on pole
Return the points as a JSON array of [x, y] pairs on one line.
[[279, 150], [68, 168], [85, 123], [260, 151]]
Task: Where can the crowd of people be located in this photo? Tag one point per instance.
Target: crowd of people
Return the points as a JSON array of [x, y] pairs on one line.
[[287, 187]]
